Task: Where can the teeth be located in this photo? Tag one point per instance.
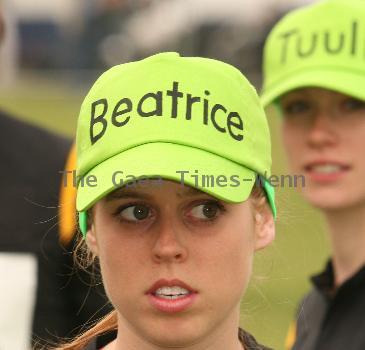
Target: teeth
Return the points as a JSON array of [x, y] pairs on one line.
[[171, 292], [170, 297], [327, 168]]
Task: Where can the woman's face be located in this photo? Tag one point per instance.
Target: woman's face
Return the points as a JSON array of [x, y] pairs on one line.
[[161, 240], [324, 136]]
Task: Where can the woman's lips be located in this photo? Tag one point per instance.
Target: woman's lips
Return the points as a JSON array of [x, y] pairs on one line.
[[171, 295], [326, 171], [172, 305]]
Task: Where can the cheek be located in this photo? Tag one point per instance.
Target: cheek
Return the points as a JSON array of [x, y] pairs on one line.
[[294, 144], [120, 258], [237, 265], [228, 262], [354, 145]]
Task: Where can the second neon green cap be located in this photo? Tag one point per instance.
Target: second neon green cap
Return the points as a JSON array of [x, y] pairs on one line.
[[319, 45]]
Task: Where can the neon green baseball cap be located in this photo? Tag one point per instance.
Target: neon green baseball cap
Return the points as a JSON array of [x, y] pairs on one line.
[[320, 45], [172, 117]]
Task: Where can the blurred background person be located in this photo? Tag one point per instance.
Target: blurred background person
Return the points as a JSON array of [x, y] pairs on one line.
[[42, 297], [106, 18], [314, 72]]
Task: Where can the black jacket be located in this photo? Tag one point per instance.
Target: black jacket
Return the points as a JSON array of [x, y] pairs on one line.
[[41, 295], [332, 321]]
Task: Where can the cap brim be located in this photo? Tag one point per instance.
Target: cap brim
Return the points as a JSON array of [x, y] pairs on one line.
[[348, 83], [167, 161]]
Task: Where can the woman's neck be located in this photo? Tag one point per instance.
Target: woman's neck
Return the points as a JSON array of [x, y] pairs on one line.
[[347, 235]]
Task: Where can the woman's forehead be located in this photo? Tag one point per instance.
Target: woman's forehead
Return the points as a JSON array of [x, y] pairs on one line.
[[314, 91], [152, 188]]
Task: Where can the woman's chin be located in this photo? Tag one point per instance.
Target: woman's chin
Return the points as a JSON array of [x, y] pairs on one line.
[[175, 334], [333, 199]]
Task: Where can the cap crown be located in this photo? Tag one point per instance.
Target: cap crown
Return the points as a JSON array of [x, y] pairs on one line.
[[196, 102], [329, 35]]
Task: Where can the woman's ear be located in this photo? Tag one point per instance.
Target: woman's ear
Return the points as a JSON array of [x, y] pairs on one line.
[[91, 240], [264, 227]]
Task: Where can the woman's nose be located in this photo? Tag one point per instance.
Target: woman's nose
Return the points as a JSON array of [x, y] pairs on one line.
[[322, 131], [168, 245]]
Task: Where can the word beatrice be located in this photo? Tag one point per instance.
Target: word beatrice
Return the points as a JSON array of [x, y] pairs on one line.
[[183, 105]]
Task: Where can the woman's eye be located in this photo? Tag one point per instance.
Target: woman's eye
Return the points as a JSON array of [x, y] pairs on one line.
[[295, 107], [135, 213], [352, 104], [205, 211]]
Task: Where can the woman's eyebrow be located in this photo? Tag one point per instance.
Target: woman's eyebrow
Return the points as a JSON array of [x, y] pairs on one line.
[[127, 194], [189, 191]]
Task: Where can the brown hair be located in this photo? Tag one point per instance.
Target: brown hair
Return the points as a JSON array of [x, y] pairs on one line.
[[105, 325], [84, 258]]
